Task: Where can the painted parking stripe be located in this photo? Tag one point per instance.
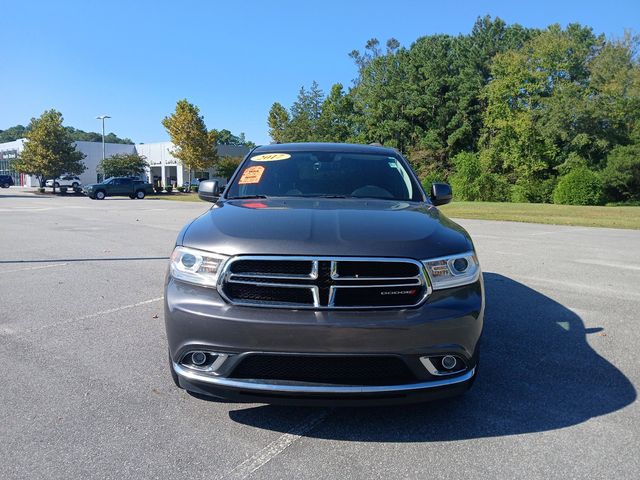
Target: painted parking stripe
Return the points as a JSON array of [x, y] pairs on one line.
[[33, 268], [602, 263], [276, 447]]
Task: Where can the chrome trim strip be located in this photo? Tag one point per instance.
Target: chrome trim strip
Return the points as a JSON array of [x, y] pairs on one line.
[[428, 364], [217, 363], [329, 389], [225, 276], [271, 284]]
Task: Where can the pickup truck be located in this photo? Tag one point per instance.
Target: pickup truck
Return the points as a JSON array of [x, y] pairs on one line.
[[324, 274], [118, 187]]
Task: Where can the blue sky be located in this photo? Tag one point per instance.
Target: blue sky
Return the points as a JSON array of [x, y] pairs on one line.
[[133, 60]]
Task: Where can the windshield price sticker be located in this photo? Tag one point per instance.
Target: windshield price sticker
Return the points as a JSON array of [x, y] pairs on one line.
[[251, 175], [270, 157]]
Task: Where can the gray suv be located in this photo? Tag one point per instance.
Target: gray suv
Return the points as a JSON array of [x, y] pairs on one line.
[[324, 275]]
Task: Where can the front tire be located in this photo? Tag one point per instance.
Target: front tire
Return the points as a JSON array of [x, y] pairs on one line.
[[100, 195], [75, 185], [140, 194], [5, 185]]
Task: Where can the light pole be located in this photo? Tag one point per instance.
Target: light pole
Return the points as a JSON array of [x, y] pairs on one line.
[[102, 117]]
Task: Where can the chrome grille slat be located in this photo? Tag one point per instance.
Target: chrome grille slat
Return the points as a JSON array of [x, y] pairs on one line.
[[324, 283]]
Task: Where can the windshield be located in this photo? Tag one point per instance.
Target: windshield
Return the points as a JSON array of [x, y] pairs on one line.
[[324, 174]]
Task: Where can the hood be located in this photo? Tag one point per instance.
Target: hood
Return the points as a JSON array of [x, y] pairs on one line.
[[326, 228]]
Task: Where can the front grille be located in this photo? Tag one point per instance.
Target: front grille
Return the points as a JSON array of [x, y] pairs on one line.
[[284, 267], [377, 269], [325, 283], [270, 295], [336, 370]]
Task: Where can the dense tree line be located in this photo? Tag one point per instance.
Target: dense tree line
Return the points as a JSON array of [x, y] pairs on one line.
[[503, 113], [20, 131]]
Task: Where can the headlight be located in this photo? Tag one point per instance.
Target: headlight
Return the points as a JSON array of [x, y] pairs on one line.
[[453, 271], [196, 266]]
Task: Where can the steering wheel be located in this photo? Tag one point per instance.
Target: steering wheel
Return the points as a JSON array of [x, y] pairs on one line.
[[371, 191]]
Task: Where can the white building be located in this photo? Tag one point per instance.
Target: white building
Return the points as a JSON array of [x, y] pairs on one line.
[[164, 168]]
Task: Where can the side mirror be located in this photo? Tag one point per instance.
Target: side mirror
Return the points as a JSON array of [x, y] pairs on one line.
[[441, 193], [209, 191]]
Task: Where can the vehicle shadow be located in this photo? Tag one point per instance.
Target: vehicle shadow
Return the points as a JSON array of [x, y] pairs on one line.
[[537, 373]]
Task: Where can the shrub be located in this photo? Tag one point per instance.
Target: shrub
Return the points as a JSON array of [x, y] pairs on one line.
[[40, 189], [533, 190], [435, 176], [472, 181], [621, 176], [181, 189], [157, 189], [580, 186], [194, 188], [169, 189]]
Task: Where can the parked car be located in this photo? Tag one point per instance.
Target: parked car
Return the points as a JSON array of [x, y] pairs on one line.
[[118, 186], [194, 182], [325, 275], [6, 181], [65, 181]]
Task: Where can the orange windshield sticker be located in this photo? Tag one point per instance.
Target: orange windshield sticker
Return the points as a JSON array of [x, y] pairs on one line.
[[251, 175]]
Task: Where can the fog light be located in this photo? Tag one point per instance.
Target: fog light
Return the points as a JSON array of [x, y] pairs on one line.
[[198, 358], [460, 264], [449, 362]]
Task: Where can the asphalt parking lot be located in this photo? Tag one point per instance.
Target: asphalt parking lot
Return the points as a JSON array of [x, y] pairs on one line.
[[86, 393]]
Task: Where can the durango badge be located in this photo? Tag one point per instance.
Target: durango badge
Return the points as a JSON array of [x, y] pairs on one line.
[[399, 292]]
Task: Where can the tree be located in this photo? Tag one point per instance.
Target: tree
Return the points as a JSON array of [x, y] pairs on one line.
[[123, 165], [621, 176], [49, 151], [527, 101], [278, 122], [13, 133], [225, 137], [305, 115], [537, 107], [336, 117], [20, 131], [195, 147], [227, 166]]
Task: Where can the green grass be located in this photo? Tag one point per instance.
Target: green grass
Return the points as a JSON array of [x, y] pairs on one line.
[[178, 197], [611, 217]]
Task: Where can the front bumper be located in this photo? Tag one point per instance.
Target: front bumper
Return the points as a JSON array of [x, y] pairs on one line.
[[449, 322], [321, 395]]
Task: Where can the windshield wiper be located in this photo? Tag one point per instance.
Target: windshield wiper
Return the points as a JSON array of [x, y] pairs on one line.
[[242, 197]]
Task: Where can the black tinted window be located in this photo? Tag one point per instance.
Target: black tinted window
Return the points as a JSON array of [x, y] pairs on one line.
[[340, 174]]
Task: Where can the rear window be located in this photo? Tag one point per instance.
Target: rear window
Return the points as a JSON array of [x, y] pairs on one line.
[[325, 174]]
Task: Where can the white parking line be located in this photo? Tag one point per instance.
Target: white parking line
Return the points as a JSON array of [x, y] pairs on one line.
[[276, 447], [34, 268], [602, 263], [93, 315]]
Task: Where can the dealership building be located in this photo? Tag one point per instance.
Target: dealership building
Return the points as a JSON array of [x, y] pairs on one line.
[[164, 168]]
